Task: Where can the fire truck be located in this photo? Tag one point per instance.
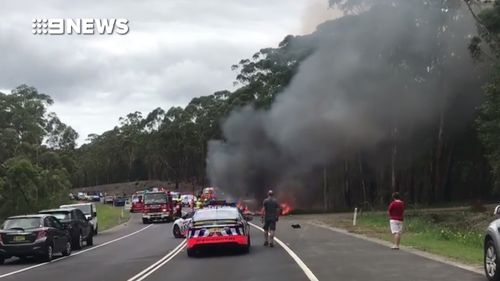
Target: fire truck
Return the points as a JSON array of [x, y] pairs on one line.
[[137, 202], [158, 206]]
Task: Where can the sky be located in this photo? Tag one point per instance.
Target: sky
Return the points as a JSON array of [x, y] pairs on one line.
[[175, 50]]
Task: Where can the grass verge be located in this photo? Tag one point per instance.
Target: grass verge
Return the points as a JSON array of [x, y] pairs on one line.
[[110, 216], [457, 235]]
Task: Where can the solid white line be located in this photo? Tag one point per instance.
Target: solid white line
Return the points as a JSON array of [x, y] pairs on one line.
[[74, 254], [161, 262], [294, 256]]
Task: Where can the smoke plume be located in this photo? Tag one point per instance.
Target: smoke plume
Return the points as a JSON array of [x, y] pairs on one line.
[[389, 70]]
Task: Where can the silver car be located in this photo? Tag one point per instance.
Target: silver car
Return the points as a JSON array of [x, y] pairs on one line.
[[492, 247]]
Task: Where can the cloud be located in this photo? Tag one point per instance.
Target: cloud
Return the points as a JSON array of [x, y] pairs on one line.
[[175, 50]]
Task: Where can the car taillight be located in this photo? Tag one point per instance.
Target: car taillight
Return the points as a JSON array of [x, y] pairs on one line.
[[163, 210]]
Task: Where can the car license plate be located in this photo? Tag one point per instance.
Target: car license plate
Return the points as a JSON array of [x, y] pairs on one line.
[[19, 238], [215, 230]]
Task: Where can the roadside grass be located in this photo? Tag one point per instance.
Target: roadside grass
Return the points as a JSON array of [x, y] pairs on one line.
[[456, 234], [110, 216]]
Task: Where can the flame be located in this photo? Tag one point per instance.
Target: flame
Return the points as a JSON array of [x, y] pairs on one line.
[[285, 209]]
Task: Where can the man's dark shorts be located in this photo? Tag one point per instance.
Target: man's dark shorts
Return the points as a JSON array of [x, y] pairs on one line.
[[269, 224]]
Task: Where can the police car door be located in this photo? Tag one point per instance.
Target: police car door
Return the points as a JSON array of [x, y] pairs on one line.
[[185, 223]]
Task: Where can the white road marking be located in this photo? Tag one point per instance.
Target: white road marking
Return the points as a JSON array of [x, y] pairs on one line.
[[74, 254], [294, 256], [157, 265]]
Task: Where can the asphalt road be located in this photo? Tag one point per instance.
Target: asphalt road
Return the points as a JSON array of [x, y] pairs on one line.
[[136, 252]]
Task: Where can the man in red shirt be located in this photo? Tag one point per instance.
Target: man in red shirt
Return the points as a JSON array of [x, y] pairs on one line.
[[396, 215]]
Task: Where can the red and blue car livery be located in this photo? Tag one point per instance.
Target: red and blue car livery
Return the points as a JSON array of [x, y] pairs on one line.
[[217, 226]]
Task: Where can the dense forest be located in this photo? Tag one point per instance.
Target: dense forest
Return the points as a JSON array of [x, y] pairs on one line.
[[394, 96]]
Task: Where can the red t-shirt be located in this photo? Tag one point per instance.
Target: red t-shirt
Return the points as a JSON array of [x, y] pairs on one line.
[[396, 210]]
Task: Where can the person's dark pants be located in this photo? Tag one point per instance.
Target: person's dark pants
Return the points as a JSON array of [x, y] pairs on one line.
[[269, 224]]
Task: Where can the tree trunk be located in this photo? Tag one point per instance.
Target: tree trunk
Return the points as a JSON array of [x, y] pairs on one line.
[[347, 187], [363, 182], [325, 190], [394, 155], [438, 161]]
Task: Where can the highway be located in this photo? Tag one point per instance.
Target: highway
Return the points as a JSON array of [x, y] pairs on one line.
[[137, 252]]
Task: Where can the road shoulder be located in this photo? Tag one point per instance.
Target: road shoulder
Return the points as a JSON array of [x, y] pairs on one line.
[[442, 259]]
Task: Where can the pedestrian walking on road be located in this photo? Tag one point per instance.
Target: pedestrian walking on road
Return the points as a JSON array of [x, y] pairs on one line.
[[269, 218], [396, 216]]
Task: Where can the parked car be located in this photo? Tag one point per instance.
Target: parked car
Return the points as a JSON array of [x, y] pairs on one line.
[[38, 235], [119, 201], [128, 205], [94, 197], [109, 199], [81, 196], [74, 220], [492, 247], [90, 211]]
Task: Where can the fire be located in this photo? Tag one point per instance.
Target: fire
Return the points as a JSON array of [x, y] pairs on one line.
[[285, 209]]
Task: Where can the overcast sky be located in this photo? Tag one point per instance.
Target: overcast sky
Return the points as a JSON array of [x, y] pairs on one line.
[[175, 50]]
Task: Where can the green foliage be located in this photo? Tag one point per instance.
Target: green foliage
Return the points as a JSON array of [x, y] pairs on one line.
[[455, 234], [488, 121], [488, 124], [32, 175]]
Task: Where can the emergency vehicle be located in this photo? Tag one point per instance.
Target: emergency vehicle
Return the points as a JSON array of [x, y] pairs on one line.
[[137, 202], [208, 193], [158, 206], [216, 226], [181, 225]]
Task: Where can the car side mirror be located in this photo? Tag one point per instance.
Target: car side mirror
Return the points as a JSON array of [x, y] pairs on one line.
[[497, 211]]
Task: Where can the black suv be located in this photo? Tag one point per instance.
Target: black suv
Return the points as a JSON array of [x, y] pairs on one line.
[[79, 227], [33, 235]]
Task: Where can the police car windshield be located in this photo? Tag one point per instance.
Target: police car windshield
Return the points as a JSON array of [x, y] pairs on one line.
[[155, 198], [216, 214]]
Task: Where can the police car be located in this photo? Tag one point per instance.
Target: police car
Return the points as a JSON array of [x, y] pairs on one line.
[[181, 225], [216, 226]]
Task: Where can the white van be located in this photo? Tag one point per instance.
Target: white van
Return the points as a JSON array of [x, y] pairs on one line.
[[90, 211]]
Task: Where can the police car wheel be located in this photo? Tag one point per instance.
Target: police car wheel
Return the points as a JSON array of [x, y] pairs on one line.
[[191, 253], [145, 221], [177, 232]]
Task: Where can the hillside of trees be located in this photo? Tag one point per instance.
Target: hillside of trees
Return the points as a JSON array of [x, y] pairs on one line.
[[453, 156]]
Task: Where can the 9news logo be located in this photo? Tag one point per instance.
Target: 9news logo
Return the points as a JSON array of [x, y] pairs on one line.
[[86, 26]]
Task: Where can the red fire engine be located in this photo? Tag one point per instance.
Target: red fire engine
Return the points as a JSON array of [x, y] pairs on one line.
[[137, 202], [158, 206]]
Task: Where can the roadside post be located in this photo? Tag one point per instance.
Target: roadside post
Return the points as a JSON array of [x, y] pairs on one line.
[[355, 216]]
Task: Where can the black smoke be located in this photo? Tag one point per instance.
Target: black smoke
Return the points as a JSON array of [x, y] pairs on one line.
[[387, 71]]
